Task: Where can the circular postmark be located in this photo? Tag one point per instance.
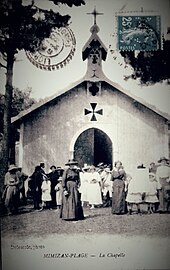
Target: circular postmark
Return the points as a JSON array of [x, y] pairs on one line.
[[56, 51]]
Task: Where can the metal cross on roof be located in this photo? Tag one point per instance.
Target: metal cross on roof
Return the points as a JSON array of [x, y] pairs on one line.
[[95, 13], [93, 106]]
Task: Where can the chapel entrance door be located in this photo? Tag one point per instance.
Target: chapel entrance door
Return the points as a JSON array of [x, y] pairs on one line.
[[92, 147]]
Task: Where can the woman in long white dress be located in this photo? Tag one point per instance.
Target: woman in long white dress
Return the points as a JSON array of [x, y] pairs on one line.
[[84, 182], [94, 188]]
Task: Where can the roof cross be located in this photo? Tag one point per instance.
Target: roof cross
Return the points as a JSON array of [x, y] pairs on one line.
[[95, 13]]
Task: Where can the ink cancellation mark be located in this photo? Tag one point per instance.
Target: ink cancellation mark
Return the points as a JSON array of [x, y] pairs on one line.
[[56, 51], [141, 33]]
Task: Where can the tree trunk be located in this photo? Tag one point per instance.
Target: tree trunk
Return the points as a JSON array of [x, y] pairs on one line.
[[12, 145], [7, 118]]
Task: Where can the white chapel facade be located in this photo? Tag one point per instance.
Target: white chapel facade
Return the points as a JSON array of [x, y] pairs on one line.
[[94, 120]]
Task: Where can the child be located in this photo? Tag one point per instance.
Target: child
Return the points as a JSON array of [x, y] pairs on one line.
[[137, 186], [59, 190], [151, 196], [94, 192], [106, 187], [83, 189], [46, 192]]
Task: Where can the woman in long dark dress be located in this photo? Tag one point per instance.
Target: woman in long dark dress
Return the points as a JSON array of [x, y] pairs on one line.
[[118, 198], [71, 208]]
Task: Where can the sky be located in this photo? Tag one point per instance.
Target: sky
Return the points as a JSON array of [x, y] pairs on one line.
[[47, 83]]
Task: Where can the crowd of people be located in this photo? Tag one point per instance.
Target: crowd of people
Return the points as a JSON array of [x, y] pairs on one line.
[[72, 189]]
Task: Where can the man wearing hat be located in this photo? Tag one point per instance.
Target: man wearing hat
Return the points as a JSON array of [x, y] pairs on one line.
[[163, 176], [53, 176], [42, 167], [36, 180]]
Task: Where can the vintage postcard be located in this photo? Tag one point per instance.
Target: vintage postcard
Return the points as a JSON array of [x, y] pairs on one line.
[[88, 179]]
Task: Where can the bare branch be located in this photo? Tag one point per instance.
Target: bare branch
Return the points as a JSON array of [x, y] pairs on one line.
[[3, 55], [3, 66]]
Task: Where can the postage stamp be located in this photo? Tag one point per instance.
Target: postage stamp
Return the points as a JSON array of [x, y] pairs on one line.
[[141, 33]]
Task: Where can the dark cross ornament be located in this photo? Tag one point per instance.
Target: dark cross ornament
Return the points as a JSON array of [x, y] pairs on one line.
[[94, 89], [95, 13], [93, 106]]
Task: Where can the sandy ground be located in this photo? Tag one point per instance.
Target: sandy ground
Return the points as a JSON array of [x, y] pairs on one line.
[[34, 240], [99, 220]]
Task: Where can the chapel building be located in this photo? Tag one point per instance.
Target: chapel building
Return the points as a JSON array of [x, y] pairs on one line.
[[94, 120]]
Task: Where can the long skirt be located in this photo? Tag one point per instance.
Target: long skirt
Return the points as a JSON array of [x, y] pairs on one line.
[[94, 194], [118, 197], [84, 192], [162, 194], [71, 208], [12, 198]]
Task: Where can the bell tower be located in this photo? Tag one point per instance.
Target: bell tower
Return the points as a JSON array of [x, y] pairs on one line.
[[95, 52]]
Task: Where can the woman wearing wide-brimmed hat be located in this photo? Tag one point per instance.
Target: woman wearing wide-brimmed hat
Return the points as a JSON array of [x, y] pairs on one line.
[[11, 194], [71, 208], [163, 176]]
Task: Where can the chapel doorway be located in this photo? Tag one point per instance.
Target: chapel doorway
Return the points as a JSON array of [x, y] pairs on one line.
[[92, 147]]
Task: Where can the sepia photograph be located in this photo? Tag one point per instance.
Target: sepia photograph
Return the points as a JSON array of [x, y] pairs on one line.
[[85, 134]]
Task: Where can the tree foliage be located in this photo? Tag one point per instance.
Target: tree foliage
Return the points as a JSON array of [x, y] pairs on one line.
[[21, 100], [23, 27], [149, 66], [69, 3]]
